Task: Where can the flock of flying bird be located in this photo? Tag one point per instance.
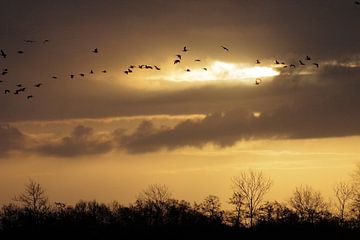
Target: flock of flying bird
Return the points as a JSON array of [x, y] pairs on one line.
[[185, 49], [20, 88]]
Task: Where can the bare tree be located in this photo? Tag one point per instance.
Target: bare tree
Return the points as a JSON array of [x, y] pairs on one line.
[[154, 201], [252, 187], [34, 197], [156, 193], [308, 204], [343, 192], [211, 207], [238, 201]]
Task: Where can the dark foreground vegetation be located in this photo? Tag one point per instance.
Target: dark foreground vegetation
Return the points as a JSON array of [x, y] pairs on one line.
[[156, 214]]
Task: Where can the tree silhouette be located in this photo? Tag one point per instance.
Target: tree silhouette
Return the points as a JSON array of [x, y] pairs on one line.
[[34, 197], [308, 204], [344, 193], [211, 207], [252, 187], [238, 201]]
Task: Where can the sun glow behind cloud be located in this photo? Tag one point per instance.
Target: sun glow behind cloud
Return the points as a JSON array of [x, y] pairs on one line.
[[219, 70]]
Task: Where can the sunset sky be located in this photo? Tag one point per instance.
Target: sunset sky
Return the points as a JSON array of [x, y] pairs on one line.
[[106, 136]]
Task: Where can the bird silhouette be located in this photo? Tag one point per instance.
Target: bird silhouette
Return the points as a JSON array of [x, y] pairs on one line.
[[301, 63], [2, 53], [46, 40], [308, 58], [141, 66], [19, 85], [157, 68], [277, 62], [225, 48], [4, 72], [188, 70], [148, 67], [104, 71], [54, 77], [29, 41], [185, 49], [82, 74], [20, 52], [30, 96], [205, 69], [91, 71], [285, 66], [316, 64], [38, 85], [176, 61], [1, 81], [129, 70], [258, 61], [292, 66], [7, 91], [357, 2], [72, 75], [258, 81], [197, 60], [179, 56], [131, 66], [95, 50], [126, 72]]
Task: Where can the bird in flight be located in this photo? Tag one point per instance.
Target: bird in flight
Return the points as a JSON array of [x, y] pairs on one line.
[[185, 49], [277, 62], [104, 71], [179, 56], [292, 66], [225, 48], [72, 75], [5, 71], [157, 68], [357, 2], [2, 53], [316, 64], [129, 70], [7, 91], [19, 85], [188, 70], [46, 40], [258, 61], [308, 58], [20, 52], [126, 72], [82, 75], [29, 41], [91, 71], [131, 66], [301, 62], [176, 61], [95, 50], [54, 77], [197, 60], [205, 69], [257, 81], [38, 85], [30, 96]]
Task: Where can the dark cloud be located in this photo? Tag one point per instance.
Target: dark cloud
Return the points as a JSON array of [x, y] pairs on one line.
[[11, 139], [82, 141], [311, 106]]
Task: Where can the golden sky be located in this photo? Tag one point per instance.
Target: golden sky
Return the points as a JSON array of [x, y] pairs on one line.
[[106, 136]]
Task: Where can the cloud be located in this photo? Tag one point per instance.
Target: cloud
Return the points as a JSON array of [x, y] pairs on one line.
[[310, 106], [11, 139], [82, 141]]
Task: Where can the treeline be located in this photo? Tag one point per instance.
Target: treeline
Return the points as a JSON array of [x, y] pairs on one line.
[[155, 213]]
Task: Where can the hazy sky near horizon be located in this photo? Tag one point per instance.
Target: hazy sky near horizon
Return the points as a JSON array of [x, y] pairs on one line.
[[109, 135]]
